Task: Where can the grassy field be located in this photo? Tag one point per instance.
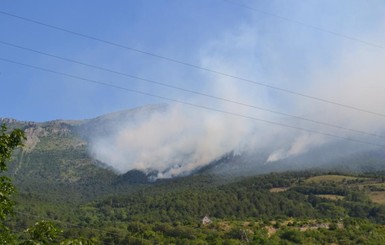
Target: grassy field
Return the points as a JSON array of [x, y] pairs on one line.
[[332, 178], [374, 189]]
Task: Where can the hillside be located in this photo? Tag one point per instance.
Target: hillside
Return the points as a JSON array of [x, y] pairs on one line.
[[62, 153], [56, 155], [339, 198], [292, 207]]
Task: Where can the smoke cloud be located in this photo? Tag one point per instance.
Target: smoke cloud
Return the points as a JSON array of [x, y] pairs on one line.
[[174, 141], [181, 138]]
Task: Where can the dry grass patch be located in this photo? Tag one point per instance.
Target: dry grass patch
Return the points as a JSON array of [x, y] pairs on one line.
[[224, 226], [377, 197], [332, 178], [279, 189], [270, 230], [331, 197]]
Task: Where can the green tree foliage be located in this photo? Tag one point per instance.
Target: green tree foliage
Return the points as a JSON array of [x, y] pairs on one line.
[[8, 143], [277, 208], [43, 232]]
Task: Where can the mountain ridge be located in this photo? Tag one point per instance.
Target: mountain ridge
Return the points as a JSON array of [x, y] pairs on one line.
[[60, 148]]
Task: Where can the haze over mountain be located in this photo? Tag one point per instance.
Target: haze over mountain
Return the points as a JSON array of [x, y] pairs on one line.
[[165, 141], [311, 52], [224, 94]]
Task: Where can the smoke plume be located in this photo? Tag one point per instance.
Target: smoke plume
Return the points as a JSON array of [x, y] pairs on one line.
[[182, 138]]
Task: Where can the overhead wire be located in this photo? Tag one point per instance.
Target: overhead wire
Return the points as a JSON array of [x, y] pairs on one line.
[[197, 92], [109, 84], [321, 29], [189, 90], [177, 61]]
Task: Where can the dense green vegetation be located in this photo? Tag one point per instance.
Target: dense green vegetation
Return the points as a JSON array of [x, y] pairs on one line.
[[63, 194], [241, 211], [43, 232]]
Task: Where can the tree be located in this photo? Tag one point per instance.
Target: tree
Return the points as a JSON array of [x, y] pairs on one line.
[[8, 143], [43, 232]]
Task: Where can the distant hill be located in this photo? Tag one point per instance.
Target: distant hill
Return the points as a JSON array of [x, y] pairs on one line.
[[334, 157], [56, 153]]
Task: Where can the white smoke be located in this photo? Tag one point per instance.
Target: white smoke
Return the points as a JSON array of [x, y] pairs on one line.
[[175, 141], [298, 146], [183, 138]]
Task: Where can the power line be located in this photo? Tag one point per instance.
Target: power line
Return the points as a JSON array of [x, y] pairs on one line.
[[355, 39], [190, 91], [108, 84], [193, 65]]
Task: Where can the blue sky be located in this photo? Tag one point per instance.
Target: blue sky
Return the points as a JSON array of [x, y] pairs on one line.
[[210, 33]]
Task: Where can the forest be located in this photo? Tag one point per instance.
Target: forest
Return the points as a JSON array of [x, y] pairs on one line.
[[279, 208], [302, 207]]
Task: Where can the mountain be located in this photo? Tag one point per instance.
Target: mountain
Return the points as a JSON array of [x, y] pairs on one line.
[[332, 157], [59, 179], [58, 153]]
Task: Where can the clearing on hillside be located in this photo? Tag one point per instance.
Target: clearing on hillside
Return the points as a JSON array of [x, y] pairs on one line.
[[377, 197], [332, 178], [278, 189], [331, 197]]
